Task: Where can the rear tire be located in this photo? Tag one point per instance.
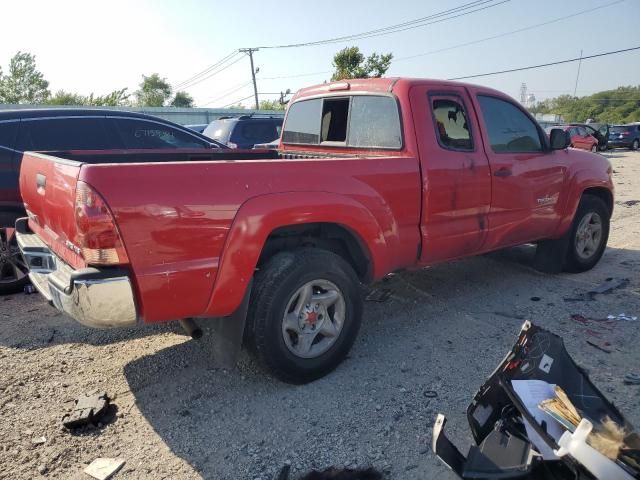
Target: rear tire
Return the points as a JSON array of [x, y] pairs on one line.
[[594, 148], [635, 144], [305, 313], [588, 235], [11, 280]]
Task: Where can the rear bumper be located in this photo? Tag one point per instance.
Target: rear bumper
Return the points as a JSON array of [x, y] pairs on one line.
[[100, 298]]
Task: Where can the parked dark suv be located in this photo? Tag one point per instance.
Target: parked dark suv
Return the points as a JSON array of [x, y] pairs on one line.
[[70, 129], [245, 131], [626, 136]]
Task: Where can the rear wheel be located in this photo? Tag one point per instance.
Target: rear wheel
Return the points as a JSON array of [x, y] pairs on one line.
[[635, 144], [588, 235], [305, 313], [594, 148], [13, 270]]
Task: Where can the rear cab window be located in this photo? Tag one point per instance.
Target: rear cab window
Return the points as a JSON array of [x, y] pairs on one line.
[[451, 123], [355, 121]]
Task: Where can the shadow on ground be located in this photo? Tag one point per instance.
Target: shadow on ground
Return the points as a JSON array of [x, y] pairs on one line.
[[460, 317]]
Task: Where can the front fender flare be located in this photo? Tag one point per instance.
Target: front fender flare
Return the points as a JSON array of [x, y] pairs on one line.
[[261, 215]]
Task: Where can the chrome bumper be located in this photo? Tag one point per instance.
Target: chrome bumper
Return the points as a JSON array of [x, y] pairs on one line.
[[93, 297]]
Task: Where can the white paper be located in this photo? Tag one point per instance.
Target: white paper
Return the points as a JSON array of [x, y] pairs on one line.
[[531, 393]]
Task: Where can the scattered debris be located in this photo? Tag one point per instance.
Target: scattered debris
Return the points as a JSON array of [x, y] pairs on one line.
[[631, 203], [87, 409], [104, 468], [39, 440], [608, 286], [379, 295], [622, 316], [29, 289], [535, 299], [632, 379], [600, 346], [430, 394]]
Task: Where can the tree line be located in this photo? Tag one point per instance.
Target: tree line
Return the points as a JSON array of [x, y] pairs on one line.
[[621, 105], [25, 84]]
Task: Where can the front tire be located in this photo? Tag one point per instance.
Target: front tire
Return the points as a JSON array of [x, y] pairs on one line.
[[588, 235], [635, 145], [594, 148], [305, 313]]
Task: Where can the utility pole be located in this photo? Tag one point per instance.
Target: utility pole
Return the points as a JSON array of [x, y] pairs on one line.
[[575, 89], [523, 94], [253, 72]]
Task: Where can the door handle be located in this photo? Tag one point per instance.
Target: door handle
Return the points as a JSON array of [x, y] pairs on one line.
[[503, 172]]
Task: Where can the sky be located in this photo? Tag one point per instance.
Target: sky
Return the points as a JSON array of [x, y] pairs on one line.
[[96, 47]]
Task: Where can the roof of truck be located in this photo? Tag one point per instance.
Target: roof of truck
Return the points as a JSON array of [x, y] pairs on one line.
[[381, 85]]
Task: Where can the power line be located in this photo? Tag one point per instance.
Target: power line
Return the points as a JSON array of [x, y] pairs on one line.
[[227, 93], [216, 72], [460, 11], [519, 30], [559, 62], [206, 70], [237, 101]]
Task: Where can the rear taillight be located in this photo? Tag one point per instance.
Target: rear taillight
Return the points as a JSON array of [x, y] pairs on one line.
[[97, 235]]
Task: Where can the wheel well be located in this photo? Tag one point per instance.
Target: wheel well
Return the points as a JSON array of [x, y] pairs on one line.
[[327, 236], [603, 194]]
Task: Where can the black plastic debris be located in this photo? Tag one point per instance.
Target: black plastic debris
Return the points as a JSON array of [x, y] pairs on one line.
[[87, 410], [519, 432], [605, 288]]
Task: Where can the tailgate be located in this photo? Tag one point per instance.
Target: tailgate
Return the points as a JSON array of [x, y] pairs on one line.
[[48, 186]]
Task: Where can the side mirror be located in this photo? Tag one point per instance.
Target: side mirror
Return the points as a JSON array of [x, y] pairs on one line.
[[559, 139]]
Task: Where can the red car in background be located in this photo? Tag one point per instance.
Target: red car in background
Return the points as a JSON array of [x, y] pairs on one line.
[[580, 137]]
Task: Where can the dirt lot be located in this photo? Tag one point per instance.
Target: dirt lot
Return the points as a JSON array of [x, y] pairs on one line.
[[443, 329]]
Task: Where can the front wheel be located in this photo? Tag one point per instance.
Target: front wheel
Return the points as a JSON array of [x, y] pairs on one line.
[[594, 148], [305, 313], [588, 235], [635, 144]]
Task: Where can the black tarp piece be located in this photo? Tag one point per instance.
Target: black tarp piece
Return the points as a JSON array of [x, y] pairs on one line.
[[497, 418]]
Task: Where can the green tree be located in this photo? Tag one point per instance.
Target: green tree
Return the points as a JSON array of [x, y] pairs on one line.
[[116, 98], [154, 91], [271, 105], [24, 83], [351, 63], [182, 99]]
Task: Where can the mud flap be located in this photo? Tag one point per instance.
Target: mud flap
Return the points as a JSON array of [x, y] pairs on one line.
[[227, 333]]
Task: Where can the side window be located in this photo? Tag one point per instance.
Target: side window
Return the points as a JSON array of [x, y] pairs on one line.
[[78, 133], [141, 134], [8, 132], [451, 124], [509, 129], [303, 122], [374, 122], [582, 131]]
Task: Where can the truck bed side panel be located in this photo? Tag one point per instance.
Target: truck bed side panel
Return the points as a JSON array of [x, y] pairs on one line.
[[174, 217]]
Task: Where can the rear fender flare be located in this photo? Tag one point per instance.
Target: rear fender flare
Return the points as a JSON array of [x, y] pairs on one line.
[[259, 216]]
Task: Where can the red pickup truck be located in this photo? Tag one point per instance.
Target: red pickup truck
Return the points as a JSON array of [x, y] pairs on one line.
[[371, 177]]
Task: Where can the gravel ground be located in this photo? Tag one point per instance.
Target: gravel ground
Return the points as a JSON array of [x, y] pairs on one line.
[[179, 416]]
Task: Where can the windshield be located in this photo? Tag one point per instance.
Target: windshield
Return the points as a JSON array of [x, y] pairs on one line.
[[219, 130]]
